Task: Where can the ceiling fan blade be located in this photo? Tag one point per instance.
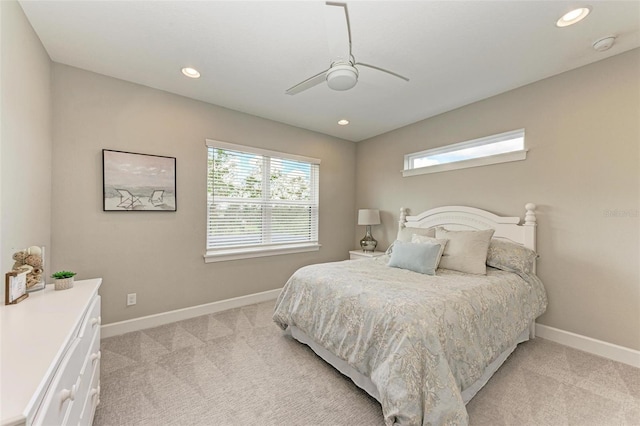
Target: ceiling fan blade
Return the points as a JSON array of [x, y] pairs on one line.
[[346, 15], [308, 83], [382, 69]]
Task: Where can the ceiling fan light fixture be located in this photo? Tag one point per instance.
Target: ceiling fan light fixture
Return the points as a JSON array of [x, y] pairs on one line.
[[342, 77], [573, 17], [342, 74]]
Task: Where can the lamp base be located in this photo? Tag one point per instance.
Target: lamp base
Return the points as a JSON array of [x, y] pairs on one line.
[[368, 243]]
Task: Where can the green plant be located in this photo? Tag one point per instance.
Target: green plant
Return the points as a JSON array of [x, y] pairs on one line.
[[63, 274]]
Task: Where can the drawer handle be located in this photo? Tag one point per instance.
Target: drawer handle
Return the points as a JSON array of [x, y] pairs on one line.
[[95, 321], [94, 392], [68, 394], [96, 355]]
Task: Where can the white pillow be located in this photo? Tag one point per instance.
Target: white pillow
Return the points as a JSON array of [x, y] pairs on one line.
[[405, 234], [421, 239], [466, 251]]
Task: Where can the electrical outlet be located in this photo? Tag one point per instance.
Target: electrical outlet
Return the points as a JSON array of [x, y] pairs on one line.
[[131, 299]]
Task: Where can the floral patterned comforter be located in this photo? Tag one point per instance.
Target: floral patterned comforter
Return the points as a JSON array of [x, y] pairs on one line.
[[421, 339]]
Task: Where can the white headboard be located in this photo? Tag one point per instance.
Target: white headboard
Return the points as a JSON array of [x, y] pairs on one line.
[[460, 218]]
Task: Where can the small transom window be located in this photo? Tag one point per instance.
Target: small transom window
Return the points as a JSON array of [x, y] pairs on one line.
[[493, 149]]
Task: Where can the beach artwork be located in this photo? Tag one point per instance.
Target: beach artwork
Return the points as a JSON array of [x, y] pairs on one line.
[[138, 182]]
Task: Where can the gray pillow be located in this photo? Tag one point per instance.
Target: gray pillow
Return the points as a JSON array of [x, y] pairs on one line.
[[511, 257], [466, 251], [415, 257]]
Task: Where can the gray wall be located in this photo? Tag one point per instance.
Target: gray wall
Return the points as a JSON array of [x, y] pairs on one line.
[[582, 129], [583, 132], [25, 151], [159, 255]]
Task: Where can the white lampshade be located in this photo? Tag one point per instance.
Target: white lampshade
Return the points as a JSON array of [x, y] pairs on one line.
[[368, 217]]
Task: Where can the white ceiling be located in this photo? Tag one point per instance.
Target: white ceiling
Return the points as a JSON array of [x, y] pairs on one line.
[[249, 53]]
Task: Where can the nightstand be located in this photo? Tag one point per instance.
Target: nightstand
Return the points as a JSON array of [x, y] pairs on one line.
[[359, 254]]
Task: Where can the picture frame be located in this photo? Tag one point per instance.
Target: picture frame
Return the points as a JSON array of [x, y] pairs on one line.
[[134, 182], [15, 287]]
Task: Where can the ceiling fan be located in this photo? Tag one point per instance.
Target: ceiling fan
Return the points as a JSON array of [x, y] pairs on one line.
[[342, 74]]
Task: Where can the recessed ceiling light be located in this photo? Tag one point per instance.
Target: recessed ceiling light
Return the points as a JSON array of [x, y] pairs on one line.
[[343, 122], [191, 72], [574, 16]]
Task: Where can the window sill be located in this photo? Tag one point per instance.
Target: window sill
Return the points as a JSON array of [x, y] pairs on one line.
[[247, 253], [465, 164]]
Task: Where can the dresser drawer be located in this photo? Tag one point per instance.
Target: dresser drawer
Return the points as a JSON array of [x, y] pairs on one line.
[[91, 323], [93, 398], [86, 378], [61, 395]]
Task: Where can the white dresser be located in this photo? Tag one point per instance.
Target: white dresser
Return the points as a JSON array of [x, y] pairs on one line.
[[50, 357]]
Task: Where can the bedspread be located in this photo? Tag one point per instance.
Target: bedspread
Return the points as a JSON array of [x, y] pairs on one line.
[[421, 339]]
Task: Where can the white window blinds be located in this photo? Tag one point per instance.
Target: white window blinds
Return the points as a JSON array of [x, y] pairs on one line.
[[259, 199]]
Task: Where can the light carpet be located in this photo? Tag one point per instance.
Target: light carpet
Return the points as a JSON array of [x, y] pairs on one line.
[[237, 368]]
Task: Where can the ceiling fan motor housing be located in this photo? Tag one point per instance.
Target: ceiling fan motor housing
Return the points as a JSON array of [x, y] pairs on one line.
[[342, 77], [342, 74]]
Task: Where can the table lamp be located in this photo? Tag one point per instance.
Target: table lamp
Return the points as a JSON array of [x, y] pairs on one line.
[[368, 217]]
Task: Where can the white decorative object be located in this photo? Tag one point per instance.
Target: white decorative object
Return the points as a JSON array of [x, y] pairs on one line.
[[35, 250], [51, 364], [368, 217]]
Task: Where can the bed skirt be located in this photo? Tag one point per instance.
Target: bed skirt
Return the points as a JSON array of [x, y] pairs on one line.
[[367, 385]]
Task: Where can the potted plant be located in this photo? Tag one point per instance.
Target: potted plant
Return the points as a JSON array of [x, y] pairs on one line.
[[63, 280]]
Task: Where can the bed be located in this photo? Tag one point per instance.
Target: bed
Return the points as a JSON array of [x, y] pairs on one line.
[[423, 343]]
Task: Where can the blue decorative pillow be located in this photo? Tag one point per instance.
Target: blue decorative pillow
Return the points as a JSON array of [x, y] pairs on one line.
[[422, 258]]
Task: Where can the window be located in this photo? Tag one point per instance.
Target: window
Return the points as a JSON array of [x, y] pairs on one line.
[[259, 202], [494, 149]]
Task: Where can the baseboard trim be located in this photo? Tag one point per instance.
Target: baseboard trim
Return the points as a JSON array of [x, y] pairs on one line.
[[122, 327], [587, 344]]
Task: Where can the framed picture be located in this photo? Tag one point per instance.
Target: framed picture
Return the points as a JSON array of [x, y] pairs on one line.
[[15, 287], [138, 182]]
